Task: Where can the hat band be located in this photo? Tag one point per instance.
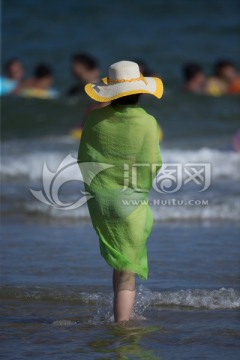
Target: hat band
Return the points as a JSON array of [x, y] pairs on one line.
[[117, 81]]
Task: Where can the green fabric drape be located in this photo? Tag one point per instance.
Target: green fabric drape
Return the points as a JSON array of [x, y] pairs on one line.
[[120, 137]]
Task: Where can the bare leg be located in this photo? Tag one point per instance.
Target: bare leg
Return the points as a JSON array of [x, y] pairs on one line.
[[124, 295]]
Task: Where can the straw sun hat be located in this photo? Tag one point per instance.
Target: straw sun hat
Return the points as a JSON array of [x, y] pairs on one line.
[[124, 79]]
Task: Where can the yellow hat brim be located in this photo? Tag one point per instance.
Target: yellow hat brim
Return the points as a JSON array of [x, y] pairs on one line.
[[92, 93]]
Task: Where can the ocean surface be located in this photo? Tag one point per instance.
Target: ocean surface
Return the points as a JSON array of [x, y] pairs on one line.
[[56, 295]]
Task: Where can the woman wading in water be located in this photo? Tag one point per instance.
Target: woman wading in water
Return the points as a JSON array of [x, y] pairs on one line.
[[123, 139]]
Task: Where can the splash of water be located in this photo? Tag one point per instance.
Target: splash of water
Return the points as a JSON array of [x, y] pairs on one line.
[[195, 298]]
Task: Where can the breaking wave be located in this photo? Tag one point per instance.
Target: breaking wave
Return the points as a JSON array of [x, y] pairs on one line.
[[224, 164], [191, 298]]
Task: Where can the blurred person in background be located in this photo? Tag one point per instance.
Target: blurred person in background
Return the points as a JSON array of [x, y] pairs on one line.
[[144, 69], [85, 69], [224, 79], [40, 85], [236, 141], [14, 73], [194, 78], [234, 87]]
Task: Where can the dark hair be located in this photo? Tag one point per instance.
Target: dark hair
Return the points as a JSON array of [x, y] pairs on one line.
[[127, 100], [220, 65], [86, 60], [42, 71], [9, 63], [191, 70]]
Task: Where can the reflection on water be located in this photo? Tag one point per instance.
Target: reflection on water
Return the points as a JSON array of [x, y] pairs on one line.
[[122, 342]]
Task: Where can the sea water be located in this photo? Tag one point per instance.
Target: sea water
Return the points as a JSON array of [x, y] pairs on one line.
[[56, 294]]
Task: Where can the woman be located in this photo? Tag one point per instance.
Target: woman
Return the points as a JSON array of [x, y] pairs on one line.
[[121, 143]]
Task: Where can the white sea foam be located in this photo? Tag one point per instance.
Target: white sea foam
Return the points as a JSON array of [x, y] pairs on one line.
[[230, 210], [30, 165], [64, 323], [223, 163], [27, 169], [195, 298], [199, 298]]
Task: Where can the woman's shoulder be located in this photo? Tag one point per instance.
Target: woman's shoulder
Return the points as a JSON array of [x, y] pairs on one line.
[[144, 116]]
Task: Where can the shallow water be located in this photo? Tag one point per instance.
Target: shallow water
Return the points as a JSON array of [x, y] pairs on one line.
[[57, 297], [56, 293]]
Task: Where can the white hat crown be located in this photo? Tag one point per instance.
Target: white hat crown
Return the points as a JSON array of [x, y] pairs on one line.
[[124, 78], [124, 70]]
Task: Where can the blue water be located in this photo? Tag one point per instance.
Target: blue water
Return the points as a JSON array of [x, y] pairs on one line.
[[55, 287], [57, 297]]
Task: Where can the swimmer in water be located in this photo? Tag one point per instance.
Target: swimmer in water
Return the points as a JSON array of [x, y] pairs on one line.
[[236, 141], [224, 75], [145, 70], [85, 69], [39, 86], [14, 74], [194, 78]]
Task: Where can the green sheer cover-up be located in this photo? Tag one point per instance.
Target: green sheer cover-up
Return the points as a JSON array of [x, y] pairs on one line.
[[121, 141]]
